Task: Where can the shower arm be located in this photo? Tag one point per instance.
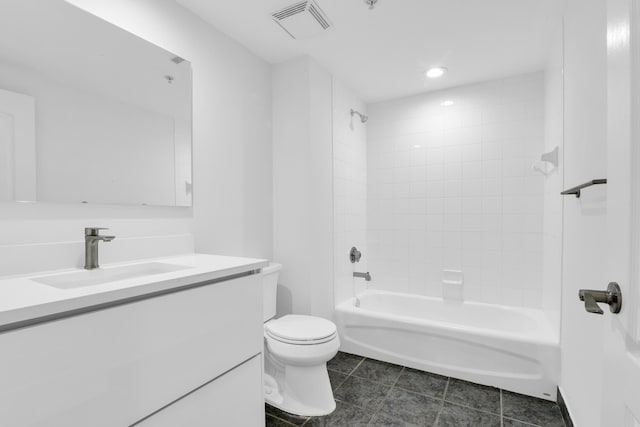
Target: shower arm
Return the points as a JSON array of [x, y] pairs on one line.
[[363, 117]]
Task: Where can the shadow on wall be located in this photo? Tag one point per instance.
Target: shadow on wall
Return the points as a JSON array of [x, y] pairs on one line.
[[284, 301]]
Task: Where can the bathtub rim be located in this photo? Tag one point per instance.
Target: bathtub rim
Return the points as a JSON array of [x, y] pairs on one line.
[[549, 337]]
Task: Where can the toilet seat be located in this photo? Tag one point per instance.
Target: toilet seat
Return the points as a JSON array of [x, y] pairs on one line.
[[301, 330]]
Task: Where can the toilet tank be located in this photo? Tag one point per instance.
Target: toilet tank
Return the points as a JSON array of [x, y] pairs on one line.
[[270, 289]]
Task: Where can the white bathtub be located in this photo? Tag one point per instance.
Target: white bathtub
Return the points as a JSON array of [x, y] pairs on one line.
[[513, 348]]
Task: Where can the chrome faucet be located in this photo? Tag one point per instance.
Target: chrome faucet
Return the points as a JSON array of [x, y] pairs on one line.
[[366, 276], [91, 238]]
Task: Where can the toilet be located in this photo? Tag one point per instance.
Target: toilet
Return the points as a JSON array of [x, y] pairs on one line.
[[296, 351]]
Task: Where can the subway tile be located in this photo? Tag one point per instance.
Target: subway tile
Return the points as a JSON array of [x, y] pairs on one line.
[[453, 205], [486, 130], [472, 222], [472, 205], [491, 150], [492, 187], [452, 171], [434, 155], [471, 259], [472, 188], [452, 154], [434, 206], [472, 170], [452, 222], [418, 173], [452, 240], [435, 172], [492, 168], [514, 167], [513, 149], [453, 188], [473, 240]]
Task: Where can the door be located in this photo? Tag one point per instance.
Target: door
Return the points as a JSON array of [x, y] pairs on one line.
[[17, 147], [621, 391]]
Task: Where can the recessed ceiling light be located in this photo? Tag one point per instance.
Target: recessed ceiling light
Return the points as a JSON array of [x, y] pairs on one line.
[[435, 72], [417, 146], [447, 103]]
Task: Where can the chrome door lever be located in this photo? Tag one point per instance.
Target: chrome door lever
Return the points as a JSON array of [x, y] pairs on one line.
[[611, 296]]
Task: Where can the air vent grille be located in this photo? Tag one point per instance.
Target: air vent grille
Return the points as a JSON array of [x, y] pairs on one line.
[[291, 10], [318, 15], [302, 19]]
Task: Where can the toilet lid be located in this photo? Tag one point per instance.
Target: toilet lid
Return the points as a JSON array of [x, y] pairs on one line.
[[298, 328]]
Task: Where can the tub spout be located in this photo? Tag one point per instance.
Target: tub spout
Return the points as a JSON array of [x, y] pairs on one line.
[[366, 276]]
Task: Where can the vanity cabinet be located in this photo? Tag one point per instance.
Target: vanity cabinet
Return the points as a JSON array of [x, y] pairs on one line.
[[192, 353], [222, 402]]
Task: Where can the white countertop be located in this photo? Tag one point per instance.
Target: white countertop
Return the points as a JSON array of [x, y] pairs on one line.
[[23, 299]]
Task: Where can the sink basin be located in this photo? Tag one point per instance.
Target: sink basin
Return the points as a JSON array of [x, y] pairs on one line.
[[104, 275]]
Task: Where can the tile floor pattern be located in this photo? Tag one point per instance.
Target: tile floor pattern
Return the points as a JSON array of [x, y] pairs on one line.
[[373, 393]]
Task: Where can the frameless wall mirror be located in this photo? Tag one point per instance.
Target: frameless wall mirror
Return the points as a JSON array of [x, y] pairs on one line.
[[89, 112]]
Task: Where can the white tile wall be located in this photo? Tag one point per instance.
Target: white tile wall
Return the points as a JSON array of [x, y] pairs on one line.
[[350, 191], [452, 188]]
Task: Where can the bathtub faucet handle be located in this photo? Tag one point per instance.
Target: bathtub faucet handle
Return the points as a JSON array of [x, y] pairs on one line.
[[354, 255]]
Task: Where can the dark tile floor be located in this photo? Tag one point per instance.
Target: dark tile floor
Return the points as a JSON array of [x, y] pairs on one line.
[[373, 393]]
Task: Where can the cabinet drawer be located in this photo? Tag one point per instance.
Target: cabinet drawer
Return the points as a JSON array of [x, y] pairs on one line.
[[114, 367], [232, 400]]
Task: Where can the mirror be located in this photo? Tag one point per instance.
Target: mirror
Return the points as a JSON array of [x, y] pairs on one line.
[[89, 113]]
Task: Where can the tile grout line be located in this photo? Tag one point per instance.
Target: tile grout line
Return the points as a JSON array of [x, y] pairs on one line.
[[346, 375], [357, 366], [484, 411], [446, 389], [375, 412], [524, 422], [501, 410], [339, 385]]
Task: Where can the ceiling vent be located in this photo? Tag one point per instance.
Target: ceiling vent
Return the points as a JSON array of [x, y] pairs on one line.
[[302, 20]]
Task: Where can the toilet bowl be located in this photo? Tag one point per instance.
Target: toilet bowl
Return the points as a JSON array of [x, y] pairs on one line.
[[296, 351]]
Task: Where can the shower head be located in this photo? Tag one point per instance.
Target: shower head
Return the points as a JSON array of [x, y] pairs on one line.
[[363, 118], [371, 3]]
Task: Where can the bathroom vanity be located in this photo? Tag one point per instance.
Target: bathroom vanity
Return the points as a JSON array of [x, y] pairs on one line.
[[164, 342]]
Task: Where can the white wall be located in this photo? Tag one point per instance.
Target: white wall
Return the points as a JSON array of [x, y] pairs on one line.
[[585, 158], [350, 191], [553, 183], [232, 211], [452, 188], [302, 187]]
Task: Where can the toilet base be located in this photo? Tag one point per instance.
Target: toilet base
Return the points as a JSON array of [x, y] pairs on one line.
[[289, 391]]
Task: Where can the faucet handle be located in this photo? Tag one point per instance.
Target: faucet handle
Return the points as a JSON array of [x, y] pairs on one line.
[[93, 231]]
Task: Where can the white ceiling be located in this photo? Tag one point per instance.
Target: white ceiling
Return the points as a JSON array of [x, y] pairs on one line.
[[383, 53]]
